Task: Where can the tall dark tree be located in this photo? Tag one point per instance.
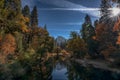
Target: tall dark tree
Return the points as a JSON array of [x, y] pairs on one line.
[[26, 11], [34, 17], [87, 29], [88, 32], [45, 27]]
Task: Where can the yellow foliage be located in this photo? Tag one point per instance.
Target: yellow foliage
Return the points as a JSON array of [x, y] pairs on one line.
[[22, 23]]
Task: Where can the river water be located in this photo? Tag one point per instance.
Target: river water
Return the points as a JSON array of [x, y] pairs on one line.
[[54, 68], [68, 70]]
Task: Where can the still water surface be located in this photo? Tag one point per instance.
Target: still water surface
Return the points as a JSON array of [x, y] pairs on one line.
[[69, 70]]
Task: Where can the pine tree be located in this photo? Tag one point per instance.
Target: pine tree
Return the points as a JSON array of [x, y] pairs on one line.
[[45, 27], [88, 32], [34, 17], [87, 29], [26, 11]]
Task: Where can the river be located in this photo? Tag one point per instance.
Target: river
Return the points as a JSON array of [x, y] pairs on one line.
[[60, 68]]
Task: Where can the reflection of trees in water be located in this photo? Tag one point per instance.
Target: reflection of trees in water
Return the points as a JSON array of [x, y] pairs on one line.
[[77, 72], [46, 68], [59, 66], [43, 71]]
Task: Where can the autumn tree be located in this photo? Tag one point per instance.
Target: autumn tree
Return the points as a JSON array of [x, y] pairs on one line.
[[116, 29], [41, 41], [102, 36], [8, 46], [105, 35], [76, 45]]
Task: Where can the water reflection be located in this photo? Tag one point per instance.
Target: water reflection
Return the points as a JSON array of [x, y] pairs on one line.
[[59, 72], [54, 68], [77, 72], [67, 70]]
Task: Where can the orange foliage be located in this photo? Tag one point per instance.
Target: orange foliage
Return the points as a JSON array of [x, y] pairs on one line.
[[107, 51], [117, 26], [94, 37], [8, 45], [100, 31], [118, 40]]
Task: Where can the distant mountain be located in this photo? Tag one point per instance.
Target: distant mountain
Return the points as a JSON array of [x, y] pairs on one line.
[[60, 42]]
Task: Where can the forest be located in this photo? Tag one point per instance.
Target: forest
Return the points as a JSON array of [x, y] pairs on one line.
[[26, 48]]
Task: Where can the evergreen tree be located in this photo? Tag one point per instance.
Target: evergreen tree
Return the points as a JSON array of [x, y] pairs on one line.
[[26, 11], [34, 17], [88, 33], [45, 27], [87, 29]]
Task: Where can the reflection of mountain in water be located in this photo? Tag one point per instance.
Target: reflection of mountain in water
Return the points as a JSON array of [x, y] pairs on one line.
[[59, 72], [59, 66]]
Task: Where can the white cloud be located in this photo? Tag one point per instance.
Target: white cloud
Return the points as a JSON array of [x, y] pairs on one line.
[[66, 5]]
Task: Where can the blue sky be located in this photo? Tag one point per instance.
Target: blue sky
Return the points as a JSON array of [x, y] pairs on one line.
[[64, 16]]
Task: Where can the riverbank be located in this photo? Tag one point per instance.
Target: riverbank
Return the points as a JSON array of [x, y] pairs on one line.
[[96, 64]]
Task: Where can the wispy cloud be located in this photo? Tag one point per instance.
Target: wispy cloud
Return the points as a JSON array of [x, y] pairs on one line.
[[66, 5], [74, 9], [62, 30], [72, 23]]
